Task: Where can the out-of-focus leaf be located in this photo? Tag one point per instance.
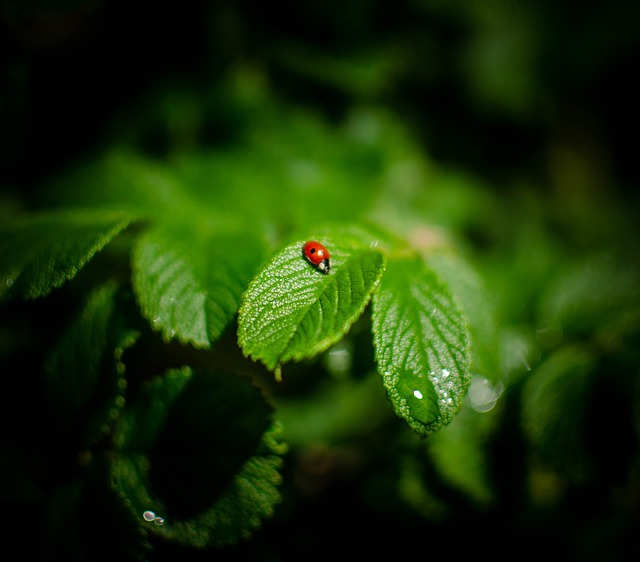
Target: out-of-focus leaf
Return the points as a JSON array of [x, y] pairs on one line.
[[85, 513], [199, 453], [336, 410], [599, 294], [189, 281], [84, 375], [41, 251], [421, 345], [292, 311], [459, 453], [556, 400], [123, 180]]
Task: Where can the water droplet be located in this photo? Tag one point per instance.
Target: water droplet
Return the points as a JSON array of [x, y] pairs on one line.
[[159, 521], [9, 281], [156, 320], [339, 360], [483, 395], [417, 394], [445, 373], [149, 515]]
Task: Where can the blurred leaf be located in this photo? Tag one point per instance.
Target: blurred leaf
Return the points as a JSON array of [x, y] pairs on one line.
[[41, 251], [556, 400], [189, 280], [123, 180], [421, 345], [198, 451], [366, 75], [335, 410], [84, 375], [85, 520], [598, 294], [459, 453], [292, 311]]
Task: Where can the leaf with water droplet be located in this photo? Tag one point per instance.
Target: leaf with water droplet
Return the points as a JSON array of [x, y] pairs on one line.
[[200, 451], [41, 251], [292, 311], [421, 345], [189, 280], [476, 303]]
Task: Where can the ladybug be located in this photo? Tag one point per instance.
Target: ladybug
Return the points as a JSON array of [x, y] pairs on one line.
[[317, 255]]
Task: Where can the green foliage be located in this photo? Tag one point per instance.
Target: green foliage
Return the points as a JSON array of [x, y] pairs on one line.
[[193, 454], [189, 284], [421, 345], [470, 362], [198, 452], [292, 311], [84, 375], [41, 251]]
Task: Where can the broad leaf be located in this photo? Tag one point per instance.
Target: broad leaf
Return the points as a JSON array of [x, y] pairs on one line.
[[292, 311], [476, 303], [41, 251], [421, 345], [199, 459], [189, 281]]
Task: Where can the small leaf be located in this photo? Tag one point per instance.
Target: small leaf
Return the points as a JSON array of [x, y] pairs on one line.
[[198, 451], [41, 251], [421, 345], [291, 311], [189, 282], [84, 375]]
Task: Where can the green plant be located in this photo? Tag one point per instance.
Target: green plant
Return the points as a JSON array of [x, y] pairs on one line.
[[186, 363], [170, 429]]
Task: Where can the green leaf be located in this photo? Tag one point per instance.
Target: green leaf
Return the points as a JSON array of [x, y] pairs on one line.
[[189, 282], [69, 529], [292, 311], [124, 180], [597, 295], [421, 345], [460, 455], [84, 375], [198, 451], [41, 251], [555, 408], [474, 300]]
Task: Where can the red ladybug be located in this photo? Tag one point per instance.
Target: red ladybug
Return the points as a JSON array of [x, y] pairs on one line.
[[317, 255]]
